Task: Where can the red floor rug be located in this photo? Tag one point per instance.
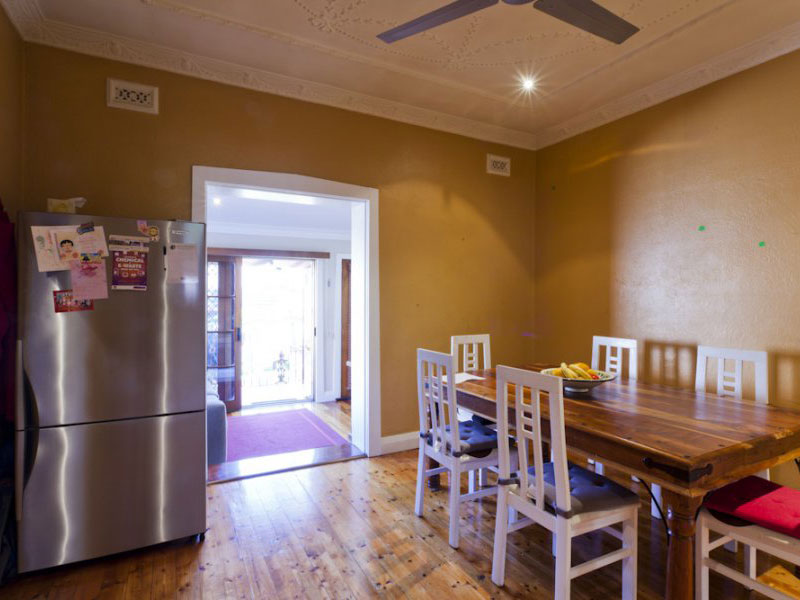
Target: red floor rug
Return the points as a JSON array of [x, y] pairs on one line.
[[278, 432]]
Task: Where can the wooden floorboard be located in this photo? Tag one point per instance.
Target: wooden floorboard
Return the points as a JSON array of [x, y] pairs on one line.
[[347, 530]]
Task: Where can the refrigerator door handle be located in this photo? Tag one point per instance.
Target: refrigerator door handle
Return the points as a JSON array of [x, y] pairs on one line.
[[19, 389], [27, 442], [27, 413], [19, 472], [27, 447]]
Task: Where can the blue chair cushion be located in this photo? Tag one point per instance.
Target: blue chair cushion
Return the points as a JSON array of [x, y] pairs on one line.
[[474, 437], [589, 491]]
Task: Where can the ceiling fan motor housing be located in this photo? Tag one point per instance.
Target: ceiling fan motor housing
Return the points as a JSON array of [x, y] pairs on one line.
[[517, 1]]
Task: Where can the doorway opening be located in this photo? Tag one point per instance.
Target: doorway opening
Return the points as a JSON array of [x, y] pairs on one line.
[[290, 352], [278, 318]]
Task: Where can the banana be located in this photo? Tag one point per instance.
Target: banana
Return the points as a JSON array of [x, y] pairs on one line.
[[557, 372], [583, 366], [580, 372], [567, 372]]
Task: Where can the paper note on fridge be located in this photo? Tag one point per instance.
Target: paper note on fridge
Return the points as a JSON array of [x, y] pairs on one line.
[[181, 263], [93, 242], [89, 278], [47, 258], [71, 243], [56, 247], [128, 268]]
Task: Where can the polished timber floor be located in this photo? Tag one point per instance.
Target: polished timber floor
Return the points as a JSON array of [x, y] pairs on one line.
[[347, 530]]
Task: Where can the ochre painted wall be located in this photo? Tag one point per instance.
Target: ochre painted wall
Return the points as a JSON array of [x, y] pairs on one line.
[[619, 250], [455, 243], [11, 65]]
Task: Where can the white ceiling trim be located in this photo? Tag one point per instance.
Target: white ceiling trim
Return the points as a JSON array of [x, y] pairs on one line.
[[35, 28], [202, 15], [734, 61], [29, 20], [267, 231]]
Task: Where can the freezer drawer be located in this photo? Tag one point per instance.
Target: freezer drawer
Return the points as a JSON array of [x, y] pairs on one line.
[[97, 489]]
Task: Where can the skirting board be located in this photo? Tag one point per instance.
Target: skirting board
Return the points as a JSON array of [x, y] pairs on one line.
[[400, 442]]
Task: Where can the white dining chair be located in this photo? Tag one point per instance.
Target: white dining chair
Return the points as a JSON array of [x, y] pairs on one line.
[[760, 514], [564, 498], [729, 383], [614, 362], [458, 447], [467, 351]]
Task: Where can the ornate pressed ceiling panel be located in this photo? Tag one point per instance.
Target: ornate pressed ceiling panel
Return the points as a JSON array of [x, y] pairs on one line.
[[462, 77]]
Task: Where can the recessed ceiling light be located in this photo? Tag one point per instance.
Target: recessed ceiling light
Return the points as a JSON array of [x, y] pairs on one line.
[[217, 201], [528, 83]]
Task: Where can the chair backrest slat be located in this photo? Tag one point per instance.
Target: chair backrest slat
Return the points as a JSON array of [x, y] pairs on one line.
[[729, 383], [438, 405], [530, 388], [466, 351], [615, 348]]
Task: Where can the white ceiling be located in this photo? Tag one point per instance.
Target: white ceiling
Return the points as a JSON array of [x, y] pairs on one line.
[[461, 77], [241, 210]]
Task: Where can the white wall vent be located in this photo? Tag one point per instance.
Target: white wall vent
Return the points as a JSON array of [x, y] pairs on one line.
[[132, 96]]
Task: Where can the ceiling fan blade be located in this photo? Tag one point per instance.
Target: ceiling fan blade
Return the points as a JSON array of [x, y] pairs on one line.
[[589, 16], [451, 12]]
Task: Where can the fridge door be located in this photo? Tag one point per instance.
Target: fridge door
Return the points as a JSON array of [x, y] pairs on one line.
[[93, 490], [136, 354]]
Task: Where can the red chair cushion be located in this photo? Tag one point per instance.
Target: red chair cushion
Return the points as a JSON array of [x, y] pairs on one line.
[[760, 502]]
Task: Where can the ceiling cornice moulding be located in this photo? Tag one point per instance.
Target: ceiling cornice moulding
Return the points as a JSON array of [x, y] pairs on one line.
[[33, 27], [729, 63], [202, 15]]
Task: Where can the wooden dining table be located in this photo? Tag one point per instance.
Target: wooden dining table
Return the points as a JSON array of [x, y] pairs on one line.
[[687, 442]]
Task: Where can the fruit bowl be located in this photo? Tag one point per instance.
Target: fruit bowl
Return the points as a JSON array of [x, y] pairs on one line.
[[581, 385]]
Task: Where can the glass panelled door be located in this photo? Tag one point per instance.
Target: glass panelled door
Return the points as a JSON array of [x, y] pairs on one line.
[[223, 330], [278, 324]]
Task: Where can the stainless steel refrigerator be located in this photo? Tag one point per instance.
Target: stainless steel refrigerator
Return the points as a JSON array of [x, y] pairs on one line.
[[110, 415]]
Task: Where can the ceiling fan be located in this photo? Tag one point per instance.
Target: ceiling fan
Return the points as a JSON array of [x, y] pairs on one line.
[[583, 14]]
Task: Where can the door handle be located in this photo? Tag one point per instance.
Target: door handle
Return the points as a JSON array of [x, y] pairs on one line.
[[238, 334]]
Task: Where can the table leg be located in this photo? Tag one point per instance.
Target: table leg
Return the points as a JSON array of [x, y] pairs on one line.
[[681, 513]]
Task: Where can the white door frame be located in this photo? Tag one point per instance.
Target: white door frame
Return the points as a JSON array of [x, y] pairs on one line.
[[365, 343], [319, 331], [337, 326]]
